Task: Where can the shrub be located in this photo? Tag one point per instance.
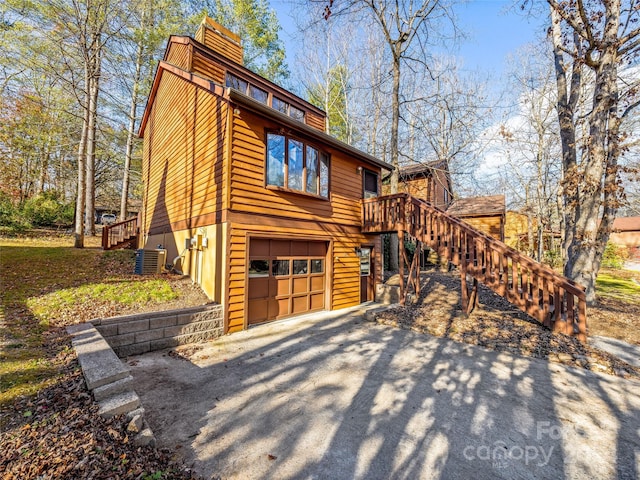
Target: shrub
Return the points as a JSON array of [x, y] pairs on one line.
[[47, 209], [614, 256]]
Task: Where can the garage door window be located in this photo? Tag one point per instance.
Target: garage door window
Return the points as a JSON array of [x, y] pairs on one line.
[[259, 268], [280, 268], [300, 267], [317, 266]]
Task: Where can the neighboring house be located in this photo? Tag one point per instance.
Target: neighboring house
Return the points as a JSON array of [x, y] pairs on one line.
[[486, 214], [432, 182], [516, 229], [626, 232], [429, 181], [247, 193]]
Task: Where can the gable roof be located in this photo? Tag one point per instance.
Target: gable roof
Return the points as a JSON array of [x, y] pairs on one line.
[[478, 206], [237, 98], [626, 224]]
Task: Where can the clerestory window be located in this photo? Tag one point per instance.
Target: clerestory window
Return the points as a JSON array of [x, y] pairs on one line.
[[295, 165]]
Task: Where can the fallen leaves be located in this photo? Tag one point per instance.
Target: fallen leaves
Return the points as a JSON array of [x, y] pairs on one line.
[[494, 324], [58, 434]]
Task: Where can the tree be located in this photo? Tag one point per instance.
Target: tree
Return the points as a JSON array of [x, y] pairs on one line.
[[595, 44], [152, 21], [529, 141]]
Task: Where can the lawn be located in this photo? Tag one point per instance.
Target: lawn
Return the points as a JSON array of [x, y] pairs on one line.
[[46, 283]]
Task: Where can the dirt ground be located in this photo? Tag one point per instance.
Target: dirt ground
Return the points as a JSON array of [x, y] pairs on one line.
[[497, 325]]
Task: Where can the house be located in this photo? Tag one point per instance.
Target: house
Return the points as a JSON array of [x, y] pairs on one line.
[[486, 214], [626, 232], [247, 193], [430, 181]]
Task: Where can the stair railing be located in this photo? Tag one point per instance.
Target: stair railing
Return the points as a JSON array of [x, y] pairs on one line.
[[537, 290], [117, 233]]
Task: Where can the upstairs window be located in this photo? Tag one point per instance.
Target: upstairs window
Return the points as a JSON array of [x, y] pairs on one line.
[[297, 166], [287, 109], [258, 94], [237, 83]]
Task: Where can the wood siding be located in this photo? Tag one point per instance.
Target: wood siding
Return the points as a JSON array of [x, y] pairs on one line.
[[205, 67], [178, 54], [256, 210], [315, 121], [185, 188], [491, 225]]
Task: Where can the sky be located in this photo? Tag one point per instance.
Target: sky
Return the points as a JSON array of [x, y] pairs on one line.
[[495, 29]]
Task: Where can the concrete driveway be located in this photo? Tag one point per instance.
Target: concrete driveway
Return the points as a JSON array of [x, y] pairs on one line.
[[332, 396]]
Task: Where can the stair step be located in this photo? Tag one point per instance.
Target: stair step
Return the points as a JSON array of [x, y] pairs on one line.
[[119, 404], [114, 388]]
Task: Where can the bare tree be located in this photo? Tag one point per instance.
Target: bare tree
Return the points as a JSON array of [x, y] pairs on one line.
[[603, 38]]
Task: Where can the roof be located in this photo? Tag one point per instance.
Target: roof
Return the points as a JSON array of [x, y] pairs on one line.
[[425, 169], [255, 106], [478, 206], [626, 224]]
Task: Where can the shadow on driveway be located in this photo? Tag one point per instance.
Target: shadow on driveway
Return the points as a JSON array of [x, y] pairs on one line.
[[332, 396]]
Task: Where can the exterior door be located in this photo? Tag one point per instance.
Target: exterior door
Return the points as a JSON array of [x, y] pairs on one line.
[[366, 274], [286, 277]]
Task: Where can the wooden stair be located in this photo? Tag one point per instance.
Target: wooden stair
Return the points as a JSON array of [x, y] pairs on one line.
[[120, 235], [550, 298]]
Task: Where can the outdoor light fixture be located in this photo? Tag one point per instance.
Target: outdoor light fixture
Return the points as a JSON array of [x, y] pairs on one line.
[[236, 111], [359, 169], [358, 249]]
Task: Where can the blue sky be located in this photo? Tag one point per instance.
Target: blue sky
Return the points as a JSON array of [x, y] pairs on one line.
[[495, 28]]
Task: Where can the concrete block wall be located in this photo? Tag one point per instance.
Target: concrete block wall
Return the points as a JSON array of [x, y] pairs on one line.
[[146, 332]]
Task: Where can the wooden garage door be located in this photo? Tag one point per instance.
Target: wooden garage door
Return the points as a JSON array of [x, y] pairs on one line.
[[286, 277]]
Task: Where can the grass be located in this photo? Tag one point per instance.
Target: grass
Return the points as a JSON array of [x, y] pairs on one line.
[[46, 283], [618, 285]]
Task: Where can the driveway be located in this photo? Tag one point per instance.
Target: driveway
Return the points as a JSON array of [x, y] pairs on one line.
[[332, 396]]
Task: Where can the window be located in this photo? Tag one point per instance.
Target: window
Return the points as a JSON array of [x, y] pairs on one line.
[[317, 265], [296, 113], [370, 184], [237, 83], [312, 170], [300, 267], [324, 175], [258, 94], [262, 96], [280, 105], [275, 159], [294, 165], [280, 268], [258, 268]]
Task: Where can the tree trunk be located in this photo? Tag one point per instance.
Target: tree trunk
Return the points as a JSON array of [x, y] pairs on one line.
[[395, 121], [90, 207], [82, 148], [124, 198]]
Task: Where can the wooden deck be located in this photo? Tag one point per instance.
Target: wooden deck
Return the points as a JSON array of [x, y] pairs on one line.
[[551, 299]]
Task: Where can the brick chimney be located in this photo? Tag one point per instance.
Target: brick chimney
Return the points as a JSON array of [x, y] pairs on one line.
[[220, 40]]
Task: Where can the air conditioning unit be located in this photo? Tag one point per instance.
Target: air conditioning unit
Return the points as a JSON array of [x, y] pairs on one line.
[[150, 261]]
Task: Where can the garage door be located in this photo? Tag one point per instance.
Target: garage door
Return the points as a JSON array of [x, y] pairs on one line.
[[286, 277]]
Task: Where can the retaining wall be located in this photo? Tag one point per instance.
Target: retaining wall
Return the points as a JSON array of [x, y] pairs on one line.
[[146, 332]]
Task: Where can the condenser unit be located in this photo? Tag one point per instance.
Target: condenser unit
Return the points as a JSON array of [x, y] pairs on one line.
[[150, 261]]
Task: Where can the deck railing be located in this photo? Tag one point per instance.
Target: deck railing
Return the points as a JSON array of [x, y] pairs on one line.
[[118, 233], [537, 290]]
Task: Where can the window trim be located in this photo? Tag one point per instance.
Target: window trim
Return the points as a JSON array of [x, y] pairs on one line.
[[305, 145]]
